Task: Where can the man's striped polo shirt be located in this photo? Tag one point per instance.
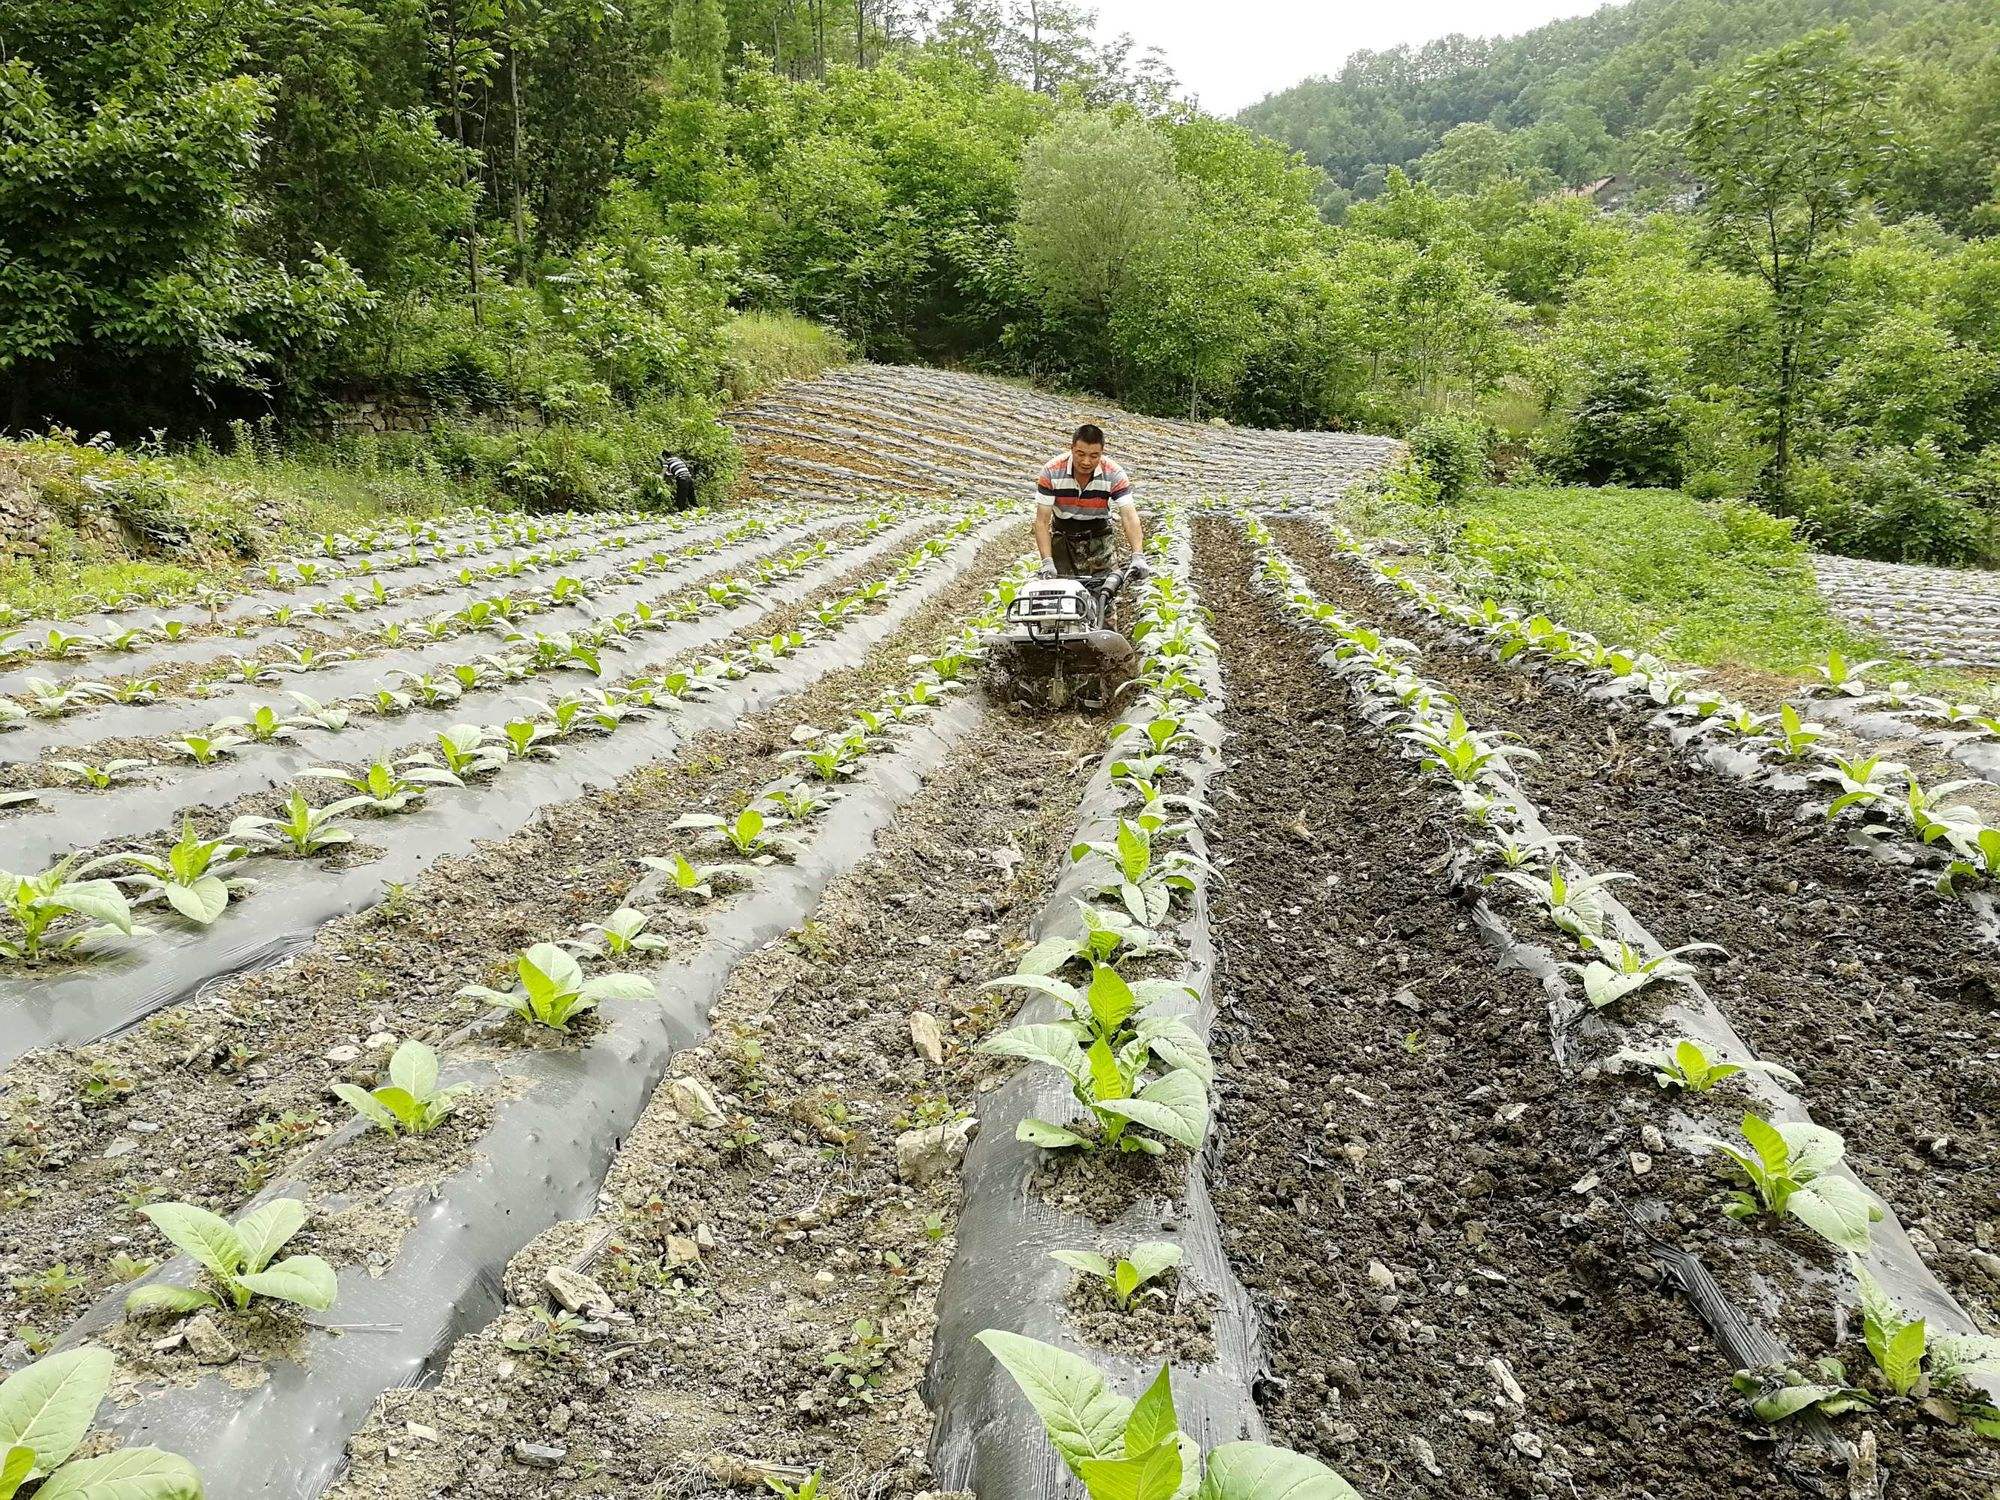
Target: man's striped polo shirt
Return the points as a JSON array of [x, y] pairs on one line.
[[1056, 486]]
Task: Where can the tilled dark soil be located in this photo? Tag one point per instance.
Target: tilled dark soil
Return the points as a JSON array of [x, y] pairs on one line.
[[1879, 993], [223, 1095], [1400, 1223], [717, 1365]]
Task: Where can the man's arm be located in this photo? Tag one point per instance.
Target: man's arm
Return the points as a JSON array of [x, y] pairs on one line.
[[1135, 536], [1044, 521]]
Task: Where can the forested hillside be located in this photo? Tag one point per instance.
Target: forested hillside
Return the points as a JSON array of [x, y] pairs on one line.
[[1611, 91]]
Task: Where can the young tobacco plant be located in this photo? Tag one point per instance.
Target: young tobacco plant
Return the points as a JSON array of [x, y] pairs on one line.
[[45, 1414], [1145, 881], [689, 880], [746, 833], [1685, 1066], [1105, 1049], [39, 911], [101, 777], [188, 877], [1571, 898], [1105, 936], [237, 1258], [304, 829], [387, 786], [1791, 1168], [621, 933], [1623, 970], [207, 749], [1126, 1276], [553, 991], [411, 1102], [1126, 1450]]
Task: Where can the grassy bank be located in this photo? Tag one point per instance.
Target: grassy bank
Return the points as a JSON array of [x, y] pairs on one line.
[[1717, 583], [87, 521]]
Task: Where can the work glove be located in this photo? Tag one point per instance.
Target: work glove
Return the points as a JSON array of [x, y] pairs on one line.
[[1047, 569], [1137, 572]]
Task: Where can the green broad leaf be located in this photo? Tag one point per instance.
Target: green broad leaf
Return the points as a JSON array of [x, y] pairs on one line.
[[1154, 1476], [1155, 897], [128, 1474], [16, 1464], [1789, 1400], [547, 971], [1837, 1208], [1047, 956], [1107, 1079], [365, 1104], [199, 1233], [1051, 1042], [1153, 1418], [1604, 986], [1085, 1418], [1813, 1149], [267, 1230], [1048, 1137], [414, 1069], [1903, 1359], [617, 987], [1768, 1142], [47, 1407], [1125, 1280], [1175, 1106], [1110, 998], [400, 1103], [164, 1297], [1041, 984], [1135, 851], [304, 1279], [1087, 1261], [201, 902], [99, 900], [1252, 1471], [1150, 1259], [1178, 1045]]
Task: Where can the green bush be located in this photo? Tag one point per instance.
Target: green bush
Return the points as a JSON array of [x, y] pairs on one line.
[[1450, 451], [1624, 429], [1897, 504]]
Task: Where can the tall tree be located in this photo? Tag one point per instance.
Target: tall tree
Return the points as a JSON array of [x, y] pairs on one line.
[[1787, 146]]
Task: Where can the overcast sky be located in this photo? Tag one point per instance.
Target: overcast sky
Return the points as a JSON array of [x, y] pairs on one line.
[[1231, 53]]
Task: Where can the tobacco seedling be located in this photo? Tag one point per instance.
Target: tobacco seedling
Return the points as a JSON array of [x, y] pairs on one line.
[[1106, 934], [552, 990], [1572, 899], [304, 829], [688, 879], [1844, 677], [238, 1259], [263, 724], [1796, 737], [1630, 970], [388, 786], [1125, 1277], [745, 833], [1791, 1168], [1859, 780], [1775, 1394], [467, 753], [45, 1414], [104, 776], [187, 878], [411, 1102], [806, 1490], [621, 933], [207, 749], [1686, 1066], [313, 714], [37, 908], [1145, 884], [1125, 1450]]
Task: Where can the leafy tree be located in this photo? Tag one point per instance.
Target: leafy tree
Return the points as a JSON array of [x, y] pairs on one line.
[[1787, 146], [129, 138], [1098, 195]]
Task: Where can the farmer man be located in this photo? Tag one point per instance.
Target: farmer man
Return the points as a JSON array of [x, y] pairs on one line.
[[1075, 495]]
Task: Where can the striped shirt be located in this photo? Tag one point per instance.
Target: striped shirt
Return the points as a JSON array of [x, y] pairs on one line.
[[1056, 487]]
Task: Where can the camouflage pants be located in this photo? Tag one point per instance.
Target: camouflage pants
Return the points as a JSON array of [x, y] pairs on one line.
[[1082, 552]]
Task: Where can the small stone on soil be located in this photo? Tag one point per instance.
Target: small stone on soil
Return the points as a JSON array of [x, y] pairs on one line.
[[925, 1037], [693, 1102], [539, 1455], [206, 1342]]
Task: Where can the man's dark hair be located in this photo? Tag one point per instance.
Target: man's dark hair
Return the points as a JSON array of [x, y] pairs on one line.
[[1089, 432]]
